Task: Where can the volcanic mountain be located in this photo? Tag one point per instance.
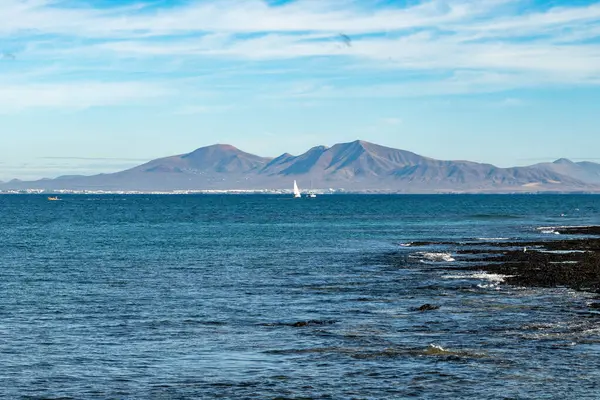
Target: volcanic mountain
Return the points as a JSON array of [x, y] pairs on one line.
[[356, 166]]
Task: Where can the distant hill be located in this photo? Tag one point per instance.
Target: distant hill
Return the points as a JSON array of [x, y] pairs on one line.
[[584, 171], [356, 166]]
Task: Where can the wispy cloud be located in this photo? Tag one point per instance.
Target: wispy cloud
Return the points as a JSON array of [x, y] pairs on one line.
[[129, 54], [80, 95], [145, 19], [38, 170], [117, 159]]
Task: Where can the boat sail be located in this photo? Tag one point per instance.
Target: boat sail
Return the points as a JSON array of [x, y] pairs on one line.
[[296, 190]]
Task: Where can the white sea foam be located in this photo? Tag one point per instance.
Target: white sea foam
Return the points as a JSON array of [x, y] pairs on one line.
[[437, 350], [564, 227], [561, 251], [492, 238], [491, 281], [552, 229], [434, 257], [493, 286], [437, 347], [549, 231], [563, 262], [493, 278]]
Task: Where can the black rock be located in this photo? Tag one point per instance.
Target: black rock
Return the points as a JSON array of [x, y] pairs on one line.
[[428, 307]]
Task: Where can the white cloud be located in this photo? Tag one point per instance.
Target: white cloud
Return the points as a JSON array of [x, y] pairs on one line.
[[459, 46], [78, 95], [234, 16], [458, 83], [536, 22]]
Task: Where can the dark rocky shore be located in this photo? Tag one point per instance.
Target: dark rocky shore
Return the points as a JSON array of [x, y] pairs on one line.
[[569, 263], [572, 263], [555, 262]]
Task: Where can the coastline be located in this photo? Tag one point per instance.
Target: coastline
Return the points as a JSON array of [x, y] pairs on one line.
[[320, 192], [573, 263]]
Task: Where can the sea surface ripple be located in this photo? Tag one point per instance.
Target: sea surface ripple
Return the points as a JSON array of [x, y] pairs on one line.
[[262, 296]]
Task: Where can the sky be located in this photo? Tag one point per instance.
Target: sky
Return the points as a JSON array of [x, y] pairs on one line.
[[90, 86]]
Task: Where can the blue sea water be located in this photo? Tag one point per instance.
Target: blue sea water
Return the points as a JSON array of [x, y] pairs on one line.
[[264, 297]]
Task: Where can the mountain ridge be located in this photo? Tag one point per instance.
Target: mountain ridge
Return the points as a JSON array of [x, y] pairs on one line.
[[357, 166]]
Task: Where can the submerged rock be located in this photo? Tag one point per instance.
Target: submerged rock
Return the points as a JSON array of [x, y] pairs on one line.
[[312, 322], [299, 324], [428, 307], [578, 230]]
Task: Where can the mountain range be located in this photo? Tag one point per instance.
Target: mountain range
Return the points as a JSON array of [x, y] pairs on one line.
[[357, 166]]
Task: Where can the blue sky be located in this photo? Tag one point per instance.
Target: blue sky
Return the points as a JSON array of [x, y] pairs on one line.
[[89, 86]]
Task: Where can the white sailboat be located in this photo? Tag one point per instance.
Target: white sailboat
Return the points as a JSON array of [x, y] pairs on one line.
[[311, 193], [296, 191]]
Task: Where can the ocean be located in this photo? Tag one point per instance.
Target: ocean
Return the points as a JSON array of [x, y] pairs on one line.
[[268, 297]]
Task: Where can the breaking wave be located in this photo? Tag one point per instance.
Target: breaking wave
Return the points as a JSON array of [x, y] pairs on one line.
[[435, 257]]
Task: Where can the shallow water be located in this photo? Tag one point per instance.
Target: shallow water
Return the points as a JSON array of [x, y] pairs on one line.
[[172, 297]]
